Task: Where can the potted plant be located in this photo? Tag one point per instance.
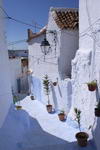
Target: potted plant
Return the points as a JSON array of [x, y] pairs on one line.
[[18, 106], [55, 83], [97, 109], [92, 85], [46, 84], [80, 136], [61, 115], [32, 97]]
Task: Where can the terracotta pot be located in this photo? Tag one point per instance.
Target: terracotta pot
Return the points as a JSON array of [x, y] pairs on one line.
[[61, 116], [18, 107], [97, 112], [92, 87], [54, 83], [49, 108], [32, 97], [82, 138]]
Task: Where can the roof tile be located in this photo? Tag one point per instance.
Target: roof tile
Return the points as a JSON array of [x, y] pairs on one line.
[[66, 19]]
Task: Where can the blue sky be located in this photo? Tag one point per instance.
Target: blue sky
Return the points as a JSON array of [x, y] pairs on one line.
[[30, 11]]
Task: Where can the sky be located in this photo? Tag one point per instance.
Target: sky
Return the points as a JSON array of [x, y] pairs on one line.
[[29, 11]]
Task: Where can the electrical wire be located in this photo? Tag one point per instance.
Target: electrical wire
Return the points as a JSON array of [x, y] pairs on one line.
[[4, 11], [24, 23], [35, 26], [19, 21], [16, 42]]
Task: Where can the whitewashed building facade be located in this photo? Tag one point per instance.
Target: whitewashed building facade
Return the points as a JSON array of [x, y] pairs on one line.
[[62, 34], [5, 85], [86, 67]]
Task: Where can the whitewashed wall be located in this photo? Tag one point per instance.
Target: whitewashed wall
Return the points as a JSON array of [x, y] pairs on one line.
[[66, 45], [82, 65], [15, 72], [36, 60], [5, 85], [69, 44]]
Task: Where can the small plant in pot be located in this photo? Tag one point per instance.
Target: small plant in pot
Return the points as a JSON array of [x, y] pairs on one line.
[[92, 85], [61, 115], [55, 83], [97, 109], [32, 97], [80, 136], [46, 84], [18, 106]]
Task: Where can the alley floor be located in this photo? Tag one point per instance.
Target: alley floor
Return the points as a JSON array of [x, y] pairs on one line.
[[32, 128]]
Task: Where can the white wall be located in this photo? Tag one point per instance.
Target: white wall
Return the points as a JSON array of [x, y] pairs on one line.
[[36, 60], [5, 90], [66, 46], [15, 72], [69, 44], [82, 66]]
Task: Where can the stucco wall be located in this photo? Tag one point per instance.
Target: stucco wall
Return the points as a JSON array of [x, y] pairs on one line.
[[69, 41], [5, 90], [37, 63], [66, 46], [84, 66]]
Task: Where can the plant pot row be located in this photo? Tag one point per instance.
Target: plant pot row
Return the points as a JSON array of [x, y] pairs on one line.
[[61, 115]]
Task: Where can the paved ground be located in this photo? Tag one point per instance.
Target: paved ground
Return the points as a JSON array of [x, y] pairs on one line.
[[32, 128], [47, 132]]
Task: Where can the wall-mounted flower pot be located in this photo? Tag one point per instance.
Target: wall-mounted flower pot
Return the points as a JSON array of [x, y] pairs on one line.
[[18, 107], [54, 83], [49, 108], [61, 116], [32, 97], [97, 112], [82, 138], [92, 86]]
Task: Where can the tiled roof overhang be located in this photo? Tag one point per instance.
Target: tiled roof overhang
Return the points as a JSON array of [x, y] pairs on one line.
[[66, 18]]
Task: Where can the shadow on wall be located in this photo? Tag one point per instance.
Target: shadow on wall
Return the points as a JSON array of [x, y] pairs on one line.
[[54, 96], [96, 133]]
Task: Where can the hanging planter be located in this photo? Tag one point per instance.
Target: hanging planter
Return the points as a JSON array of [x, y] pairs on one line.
[[97, 110], [32, 97], [61, 116], [82, 138], [92, 85], [18, 107], [49, 108]]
